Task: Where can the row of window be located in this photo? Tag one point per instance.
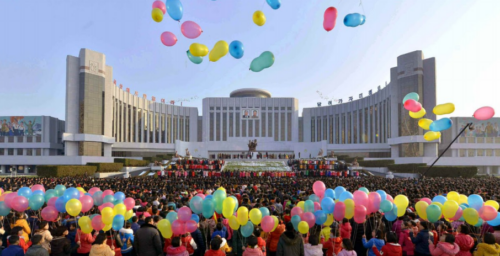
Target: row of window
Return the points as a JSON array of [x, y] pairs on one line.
[[262, 108], [20, 139], [478, 152], [479, 140], [20, 152]]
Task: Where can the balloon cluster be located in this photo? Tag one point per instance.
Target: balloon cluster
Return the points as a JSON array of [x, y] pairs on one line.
[[455, 206]]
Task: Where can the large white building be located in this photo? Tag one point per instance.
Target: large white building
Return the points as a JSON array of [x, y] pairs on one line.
[[104, 120]]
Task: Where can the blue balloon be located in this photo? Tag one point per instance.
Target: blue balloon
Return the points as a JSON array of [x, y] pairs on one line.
[[195, 217], [247, 230], [382, 194], [475, 201], [36, 202], [346, 195], [208, 207], [209, 197], [354, 20], [330, 193], [265, 212], [295, 221], [119, 196], [236, 49], [174, 9], [392, 215], [24, 191], [314, 198], [118, 222], [275, 4], [108, 199], [60, 189], [479, 223], [38, 192], [196, 204], [328, 205], [71, 193], [363, 19], [338, 191], [173, 205], [237, 205], [88, 194], [4, 210], [494, 222], [308, 206], [172, 216], [97, 196], [60, 204], [439, 199], [321, 217], [117, 202], [441, 125]]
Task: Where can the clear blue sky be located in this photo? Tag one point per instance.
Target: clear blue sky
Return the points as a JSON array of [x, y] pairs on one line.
[[36, 36]]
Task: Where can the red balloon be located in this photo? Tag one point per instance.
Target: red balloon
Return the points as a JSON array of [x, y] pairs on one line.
[[178, 228], [87, 203], [20, 203], [97, 224], [412, 105], [359, 214], [330, 18], [191, 226], [49, 213], [297, 211], [52, 201], [160, 5]]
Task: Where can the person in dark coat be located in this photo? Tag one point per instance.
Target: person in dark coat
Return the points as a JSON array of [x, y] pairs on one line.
[[200, 243], [60, 245], [422, 240], [36, 249], [13, 249], [290, 243], [148, 240]]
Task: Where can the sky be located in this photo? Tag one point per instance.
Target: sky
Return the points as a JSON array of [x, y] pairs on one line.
[[36, 36]]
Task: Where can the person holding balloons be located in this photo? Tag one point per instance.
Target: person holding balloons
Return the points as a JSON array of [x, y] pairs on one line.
[[421, 241], [19, 220], [60, 245], [45, 233], [100, 247], [290, 243], [489, 247], [376, 242], [464, 241], [86, 241], [274, 238]]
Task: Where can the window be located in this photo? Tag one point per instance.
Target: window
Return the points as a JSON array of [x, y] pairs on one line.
[[224, 108], [129, 126], [28, 139], [376, 121], [163, 128], [224, 126], [181, 127], [250, 128], [366, 127], [319, 129], [169, 128], [301, 130], [337, 129], [269, 124], [283, 126], [151, 127], [139, 126], [10, 151], [11, 139], [19, 151], [313, 129], [263, 117], [325, 129], [217, 108], [176, 122], [145, 131], [257, 126], [2, 151], [276, 126], [289, 108], [343, 134], [29, 152], [38, 151], [282, 108], [348, 129], [230, 108], [231, 124], [134, 123], [289, 126], [237, 124], [330, 127], [38, 138], [217, 125], [186, 133], [243, 128], [157, 128], [211, 108], [212, 123]]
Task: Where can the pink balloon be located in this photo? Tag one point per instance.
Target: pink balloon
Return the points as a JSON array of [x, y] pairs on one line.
[[319, 189], [359, 214], [52, 201], [87, 203], [168, 38], [93, 190], [38, 187], [427, 200], [20, 203], [160, 5], [201, 195], [330, 18], [104, 205], [317, 206], [458, 214], [296, 211], [184, 214], [49, 213], [129, 202], [267, 224], [9, 198], [412, 105], [309, 218], [191, 226], [97, 224], [487, 213], [81, 194], [389, 197], [190, 29], [107, 192], [178, 228], [374, 200], [339, 211], [360, 198], [484, 113]]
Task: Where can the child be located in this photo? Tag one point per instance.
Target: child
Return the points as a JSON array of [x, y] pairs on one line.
[[392, 248], [313, 248], [176, 249], [189, 243], [72, 233], [223, 244], [18, 231], [376, 241], [333, 243], [287, 218], [13, 249], [252, 247], [345, 229], [348, 249], [446, 247], [36, 248], [405, 240], [214, 248], [261, 243]]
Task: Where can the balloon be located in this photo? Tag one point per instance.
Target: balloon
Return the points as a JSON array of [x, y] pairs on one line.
[[495, 222], [458, 214], [354, 20], [320, 216], [484, 113], [338, 191], [433, 213], [411, 96], [36, 202], [242, 216], [427, 200], [319, 188], [492, 203], [314, 198], [330, 18], [275, 4], [178, 228], [198, 50], [118, 222], [168, 38], [450, 208], [174, 9], [276, 222], [349, 208], [309, 206], [328, 205], [195, 217], [444, 109], [49, 213], [50, 194], [71, 193], [430, 135], [360, 198], [259, 18], [184, 214], [317, 206], [81, 189], [439, 199], [108, 199], [267, 224], [129, 214], [160, 5], [424, 123], [157, 14], [330, 193], [120, 209], [219, 197], [108, 204], [339, 212], [309, 218], [247, 229], [87, 203], [329, 220], [401, 201], [301, 205], [39, 192], [412, 105], [463, 199], [233, 223], [221, 48], [364, 190], [487, 213], [235, 202], [475, 201], [195, 60], [20, 203], [25, 192], [129, 202], [383, 194], [265, 60], [441, 125], [60, 204], [359, 214], [236, 49], [190, 29], [303, 227], [37, 187], [73, 207], [120, 196], [265, 212], [191, 226], [93, 190], [471, 216], [172, 216], [346, 195], [421, 207], [392, 215], [107, 215], [452, 195], [208, 208], [297, 211], [98, 198], [196, 204], [106, 227], [165, 228], [418, 114], [255, 216], [295, 221], [60, 190], [52, 201], [385, 206], [374, 201]]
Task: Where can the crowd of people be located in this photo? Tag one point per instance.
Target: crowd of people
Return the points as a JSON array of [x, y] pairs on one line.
[[27, 234]]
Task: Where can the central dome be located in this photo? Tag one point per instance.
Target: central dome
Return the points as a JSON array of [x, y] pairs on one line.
[[250, 93]]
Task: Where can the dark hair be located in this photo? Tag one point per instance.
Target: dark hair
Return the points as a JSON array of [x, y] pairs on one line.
[[449, 239], [256, 232], [127, 224], [148, 220], [176, 241], [36, 239], [219, 226], [347, 244], [424, 224], [134, 219], [15, 231], [413, 223], [464, 230], [215, 244], [42, 224], [100, 238], [314, 239], [252, 241], [13, 240], [345, 221], [489, 238], [391, 237], [378, 233], [156, 218], [60, 231]]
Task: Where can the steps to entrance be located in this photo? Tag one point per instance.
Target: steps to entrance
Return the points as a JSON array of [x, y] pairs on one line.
[[256, 165]]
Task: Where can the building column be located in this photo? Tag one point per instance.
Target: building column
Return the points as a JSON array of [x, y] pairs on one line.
[[107, 150], [26, 171], [2, 169], [488, 170], [498, 170]]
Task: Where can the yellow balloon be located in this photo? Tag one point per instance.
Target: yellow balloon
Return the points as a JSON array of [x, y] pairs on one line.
[[198, 50], [301, 205], [492, 203], [106, 227], [463, 199], [452, 195], [120, 209], [81, 189], [165, 228], [87, 229], [84, 221], [303, 227], [401, 201], [107, 215], [438, 204], [73, 207], [430, 135], [255, 216], [424, 123], [450, 207], [421, 207], [471, 216], [349, 208], [276, 222], [329, 220], [325, 232], [129, 214], [418, 114], [444, 109], [220, 49], [157, 14], [222, 188], [259, 18], [242, 215], [233, 223]]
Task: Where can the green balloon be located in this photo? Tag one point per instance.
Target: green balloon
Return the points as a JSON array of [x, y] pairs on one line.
[[194, 59], [265, 60], [49, 194], [364, 190], [411, 96], [433, 213]]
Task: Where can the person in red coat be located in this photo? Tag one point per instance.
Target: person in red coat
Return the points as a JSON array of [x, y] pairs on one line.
[[345, 229], [464, 241], [405, 240], [391, 248]]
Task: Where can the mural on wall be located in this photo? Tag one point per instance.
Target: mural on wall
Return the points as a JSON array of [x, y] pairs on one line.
[[250, 113], [489, 128], [20, 125]]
